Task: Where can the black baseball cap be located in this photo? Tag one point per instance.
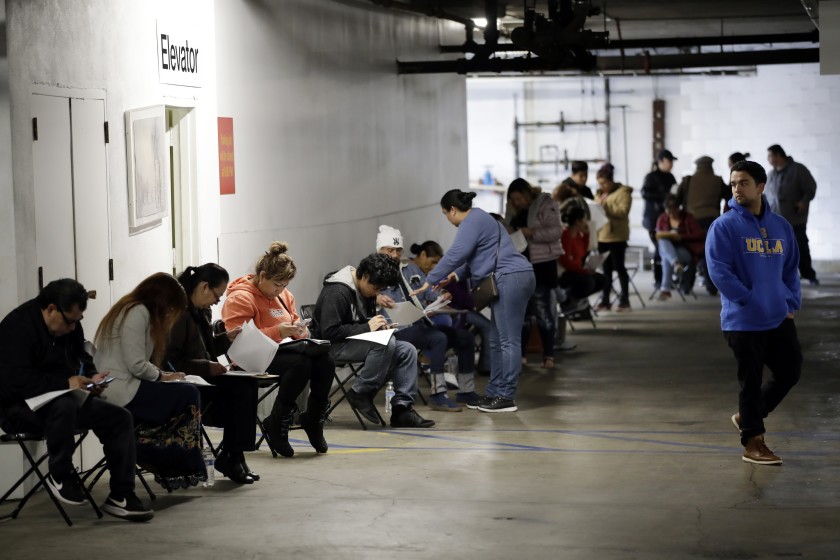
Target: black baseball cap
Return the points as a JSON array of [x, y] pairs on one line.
[[665, 154]]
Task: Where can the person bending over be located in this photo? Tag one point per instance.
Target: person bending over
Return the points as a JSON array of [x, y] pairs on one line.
[[43, 345], [427, 336], [680, 245], [230, 402], [345, 308], [131, 342], [263, 297]]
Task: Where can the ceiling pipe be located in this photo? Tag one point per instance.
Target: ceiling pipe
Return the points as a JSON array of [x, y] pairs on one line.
[[676, 42], [644, 64], [429, 10]]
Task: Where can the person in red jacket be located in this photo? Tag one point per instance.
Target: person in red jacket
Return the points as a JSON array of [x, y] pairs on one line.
[[578, 280], [680, 241]]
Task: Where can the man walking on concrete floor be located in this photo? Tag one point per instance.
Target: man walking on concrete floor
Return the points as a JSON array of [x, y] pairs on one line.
[[753, 259], [790, 190]]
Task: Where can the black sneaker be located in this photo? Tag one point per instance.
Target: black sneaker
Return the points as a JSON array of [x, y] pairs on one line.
[[406, 417], [129, 508], [363, 403], [497, 404], [68, 490]]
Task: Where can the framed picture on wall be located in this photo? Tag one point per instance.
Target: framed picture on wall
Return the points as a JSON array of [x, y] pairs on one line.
[[147, 164]]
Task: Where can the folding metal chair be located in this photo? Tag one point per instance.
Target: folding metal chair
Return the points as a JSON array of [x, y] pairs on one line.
[[98, 470], [22, 438]]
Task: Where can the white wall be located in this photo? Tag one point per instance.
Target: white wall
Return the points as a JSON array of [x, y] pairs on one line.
[[109, 45], [791, 105], [490, 121], [329, 140], [8, 268]]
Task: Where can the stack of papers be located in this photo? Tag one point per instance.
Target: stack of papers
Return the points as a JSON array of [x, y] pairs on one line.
[[406, 313], [253, 351]]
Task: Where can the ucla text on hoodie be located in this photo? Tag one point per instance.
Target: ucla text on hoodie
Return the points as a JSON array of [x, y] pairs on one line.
[[754, 262]]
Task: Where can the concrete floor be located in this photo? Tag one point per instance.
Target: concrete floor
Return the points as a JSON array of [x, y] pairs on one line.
[[625, 451]]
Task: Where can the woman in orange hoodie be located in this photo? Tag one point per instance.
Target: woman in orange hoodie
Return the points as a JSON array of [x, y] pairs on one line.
[[263, 298]]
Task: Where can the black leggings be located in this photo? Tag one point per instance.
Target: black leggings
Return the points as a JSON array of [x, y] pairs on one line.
[[296, 370], [615, 262]]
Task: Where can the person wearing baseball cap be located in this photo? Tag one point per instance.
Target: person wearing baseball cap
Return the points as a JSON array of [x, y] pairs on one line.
[[656, 186]]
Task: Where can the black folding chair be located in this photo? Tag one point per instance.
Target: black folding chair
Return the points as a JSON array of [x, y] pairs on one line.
[[354, 368], [22, 438], [98, 470]]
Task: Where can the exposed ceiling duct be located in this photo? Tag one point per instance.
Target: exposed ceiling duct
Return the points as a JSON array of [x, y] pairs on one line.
[[573, 36]]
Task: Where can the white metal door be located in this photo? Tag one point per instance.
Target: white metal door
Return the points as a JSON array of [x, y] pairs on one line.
[[90, 204], [51, 163]]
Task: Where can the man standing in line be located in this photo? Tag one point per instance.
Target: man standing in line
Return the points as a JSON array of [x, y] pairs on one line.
[[753, 259], [700, 194], [790, 190]]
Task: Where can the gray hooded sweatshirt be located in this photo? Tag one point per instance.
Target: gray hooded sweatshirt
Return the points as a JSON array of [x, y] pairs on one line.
[[341, 311]]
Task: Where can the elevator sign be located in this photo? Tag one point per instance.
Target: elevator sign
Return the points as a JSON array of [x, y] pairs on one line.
[[179, 57]]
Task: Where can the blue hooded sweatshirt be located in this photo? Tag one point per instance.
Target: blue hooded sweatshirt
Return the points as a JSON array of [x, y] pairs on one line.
[[754, 262]]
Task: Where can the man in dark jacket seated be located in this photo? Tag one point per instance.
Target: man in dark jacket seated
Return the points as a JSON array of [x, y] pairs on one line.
[[43, 344], [345, 308]]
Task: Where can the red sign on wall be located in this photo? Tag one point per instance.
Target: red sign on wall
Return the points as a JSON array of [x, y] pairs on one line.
[[227, 176]]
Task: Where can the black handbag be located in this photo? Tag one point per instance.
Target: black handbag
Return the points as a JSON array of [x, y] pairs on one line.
[[487, 291]]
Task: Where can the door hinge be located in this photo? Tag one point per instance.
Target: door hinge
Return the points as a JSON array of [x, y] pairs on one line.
[[107, 134], [111, 269], [35, 128]]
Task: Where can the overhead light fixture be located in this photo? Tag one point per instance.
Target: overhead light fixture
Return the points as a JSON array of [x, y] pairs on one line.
[[480, 22]]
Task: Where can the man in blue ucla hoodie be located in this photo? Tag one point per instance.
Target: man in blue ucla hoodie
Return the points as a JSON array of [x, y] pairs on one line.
[[753, 259]]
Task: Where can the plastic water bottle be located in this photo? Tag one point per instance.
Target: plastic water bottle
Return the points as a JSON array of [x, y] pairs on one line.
[[389, 394], [210, 463]]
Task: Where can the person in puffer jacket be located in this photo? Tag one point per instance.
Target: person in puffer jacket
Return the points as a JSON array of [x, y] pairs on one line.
[[537, 217], [753, 259]]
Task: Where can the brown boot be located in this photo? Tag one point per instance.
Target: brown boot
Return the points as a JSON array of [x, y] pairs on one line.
[[758, 453]]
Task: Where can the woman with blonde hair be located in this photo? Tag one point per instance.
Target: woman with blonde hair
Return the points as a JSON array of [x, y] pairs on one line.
[[263, 298], [131, 341]]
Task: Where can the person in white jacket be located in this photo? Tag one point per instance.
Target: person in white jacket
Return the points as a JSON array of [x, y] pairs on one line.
[[131, 344]]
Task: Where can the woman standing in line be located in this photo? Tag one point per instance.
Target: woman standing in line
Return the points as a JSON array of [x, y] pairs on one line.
[[483, 247], [131, 342], [616, 200], [231, 403], [538, 218]]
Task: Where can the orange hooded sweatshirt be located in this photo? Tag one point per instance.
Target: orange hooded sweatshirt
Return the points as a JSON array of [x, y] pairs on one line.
[[245, 302]]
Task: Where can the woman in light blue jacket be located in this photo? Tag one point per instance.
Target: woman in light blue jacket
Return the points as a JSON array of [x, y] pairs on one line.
[[483, 247]]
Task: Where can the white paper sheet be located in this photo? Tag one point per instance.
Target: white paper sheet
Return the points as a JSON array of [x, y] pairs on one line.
[[378, 337], [37, 402], [405, 313], [519, 241], [594, 261], [222, 359], [252, 350], [437, 305]]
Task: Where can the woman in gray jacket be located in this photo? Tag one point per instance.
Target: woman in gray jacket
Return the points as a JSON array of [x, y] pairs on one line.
[[537, 217], [131, 341]]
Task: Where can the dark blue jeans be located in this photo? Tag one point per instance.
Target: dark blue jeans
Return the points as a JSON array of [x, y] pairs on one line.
[[508, 315]]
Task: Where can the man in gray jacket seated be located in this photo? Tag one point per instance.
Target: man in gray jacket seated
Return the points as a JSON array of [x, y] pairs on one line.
[[790, 189], [346, 308]]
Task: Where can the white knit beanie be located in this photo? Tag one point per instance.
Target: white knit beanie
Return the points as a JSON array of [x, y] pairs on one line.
[[388, 237]]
